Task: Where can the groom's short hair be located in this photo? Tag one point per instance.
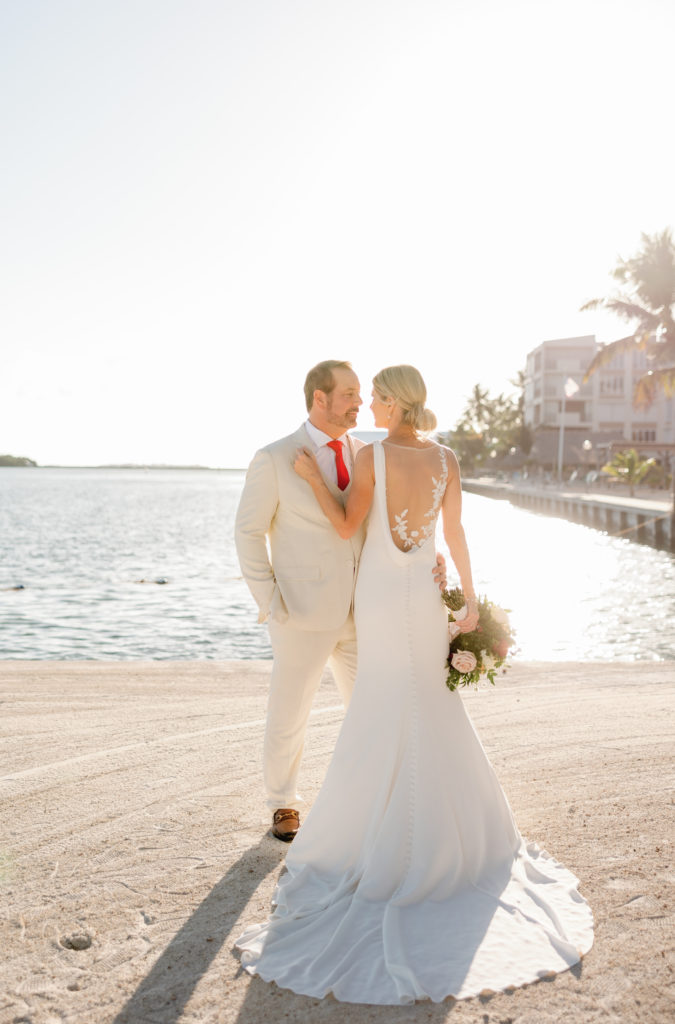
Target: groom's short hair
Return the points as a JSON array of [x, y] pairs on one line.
[[320, 378]]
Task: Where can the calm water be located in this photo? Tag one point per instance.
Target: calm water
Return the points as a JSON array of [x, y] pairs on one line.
[[79, 541]]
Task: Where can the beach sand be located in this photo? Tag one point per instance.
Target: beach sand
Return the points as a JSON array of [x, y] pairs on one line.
[[133, 825]]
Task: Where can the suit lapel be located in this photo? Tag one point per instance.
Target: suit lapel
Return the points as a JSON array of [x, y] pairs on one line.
[[305, 441]]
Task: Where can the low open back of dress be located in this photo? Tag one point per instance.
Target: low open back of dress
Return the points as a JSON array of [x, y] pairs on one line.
[[416, 479]]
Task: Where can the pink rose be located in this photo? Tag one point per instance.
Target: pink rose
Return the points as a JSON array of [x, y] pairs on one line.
[[453, 630], [464, 661], [501, 648]]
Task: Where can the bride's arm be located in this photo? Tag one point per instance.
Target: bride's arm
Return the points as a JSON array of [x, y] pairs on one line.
[[348, 519], [453, 531]]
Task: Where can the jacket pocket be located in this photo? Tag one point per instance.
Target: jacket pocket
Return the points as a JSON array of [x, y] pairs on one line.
[[299, 572]]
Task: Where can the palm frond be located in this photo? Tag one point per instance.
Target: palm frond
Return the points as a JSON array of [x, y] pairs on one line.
[[651, 383], [661, 354], [628, 310], [605, 354], [591, 304], [651, 272]]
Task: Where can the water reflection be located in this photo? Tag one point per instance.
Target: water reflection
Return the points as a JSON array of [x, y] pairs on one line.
[[574, 593], [80, 540]]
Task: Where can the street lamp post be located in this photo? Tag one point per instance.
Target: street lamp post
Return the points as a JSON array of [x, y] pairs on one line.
[[561, 437], [588, 448], [570, 388]]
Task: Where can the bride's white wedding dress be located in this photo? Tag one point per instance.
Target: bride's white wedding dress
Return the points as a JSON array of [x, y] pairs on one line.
[[409, 878]]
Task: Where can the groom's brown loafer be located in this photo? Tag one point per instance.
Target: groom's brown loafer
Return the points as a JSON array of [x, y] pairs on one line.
[[285, 824]]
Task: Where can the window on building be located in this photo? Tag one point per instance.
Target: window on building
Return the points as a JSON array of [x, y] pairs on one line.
[[644, 434], [611, 385]]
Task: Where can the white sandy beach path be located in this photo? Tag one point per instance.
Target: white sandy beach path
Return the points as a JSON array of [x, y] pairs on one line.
[[132, 816]]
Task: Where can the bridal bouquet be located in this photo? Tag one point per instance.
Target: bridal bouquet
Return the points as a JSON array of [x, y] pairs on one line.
[[481, 652]]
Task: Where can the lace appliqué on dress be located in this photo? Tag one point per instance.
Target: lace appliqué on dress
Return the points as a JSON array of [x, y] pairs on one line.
[[416, 538]]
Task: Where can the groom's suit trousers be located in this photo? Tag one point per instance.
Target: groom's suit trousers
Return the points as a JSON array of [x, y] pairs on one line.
[[300, 656]]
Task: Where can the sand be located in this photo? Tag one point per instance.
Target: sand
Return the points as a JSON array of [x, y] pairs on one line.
[[134, 842]]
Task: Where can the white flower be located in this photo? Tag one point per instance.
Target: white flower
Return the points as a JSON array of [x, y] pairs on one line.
[[460, 613], [464, 661], [499, 615], [453, 630], [488, 661]]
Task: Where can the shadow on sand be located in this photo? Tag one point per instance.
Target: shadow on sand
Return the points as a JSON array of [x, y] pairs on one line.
[[165, 991]]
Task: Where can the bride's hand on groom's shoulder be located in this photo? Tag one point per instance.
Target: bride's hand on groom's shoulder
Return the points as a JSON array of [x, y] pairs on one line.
[[305, 465]]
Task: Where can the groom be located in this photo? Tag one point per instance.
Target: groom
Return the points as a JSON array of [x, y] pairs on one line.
[[304, 586]]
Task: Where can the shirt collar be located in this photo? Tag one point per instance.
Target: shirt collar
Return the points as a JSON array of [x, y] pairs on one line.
[[319, 437]]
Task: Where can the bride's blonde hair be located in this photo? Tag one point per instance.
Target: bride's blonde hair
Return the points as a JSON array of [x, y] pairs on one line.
[[405, 385]]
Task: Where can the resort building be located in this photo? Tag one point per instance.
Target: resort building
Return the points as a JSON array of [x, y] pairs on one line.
[[613, 412], [548, 368], [596, 413], [601, 409]]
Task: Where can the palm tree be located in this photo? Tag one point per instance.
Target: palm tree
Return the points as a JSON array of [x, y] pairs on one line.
[[647, 298], [478, 406], [629, 468], [524, 438], [488, 426]]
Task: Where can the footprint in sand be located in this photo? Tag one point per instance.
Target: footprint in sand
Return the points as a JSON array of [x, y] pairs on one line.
[[76, 940]]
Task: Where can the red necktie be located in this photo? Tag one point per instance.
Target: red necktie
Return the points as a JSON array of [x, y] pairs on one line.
[[342, 473]]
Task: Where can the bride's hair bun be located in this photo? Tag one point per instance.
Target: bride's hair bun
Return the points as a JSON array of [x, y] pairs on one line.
[[405, 385], [426, 421]]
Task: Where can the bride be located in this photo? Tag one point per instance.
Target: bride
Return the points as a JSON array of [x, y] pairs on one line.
[[409, 879]]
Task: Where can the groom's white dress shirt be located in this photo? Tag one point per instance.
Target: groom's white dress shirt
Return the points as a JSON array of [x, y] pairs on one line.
[[325, 456]]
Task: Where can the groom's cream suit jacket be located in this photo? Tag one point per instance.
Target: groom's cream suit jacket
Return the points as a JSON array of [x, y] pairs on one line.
[[307, 575]]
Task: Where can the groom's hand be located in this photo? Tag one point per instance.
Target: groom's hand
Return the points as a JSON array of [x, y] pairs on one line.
[[439, 572]]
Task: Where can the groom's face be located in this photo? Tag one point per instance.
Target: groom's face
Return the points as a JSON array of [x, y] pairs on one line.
[[342, 403]]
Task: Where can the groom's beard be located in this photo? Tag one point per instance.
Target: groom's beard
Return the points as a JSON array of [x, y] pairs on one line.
[[346, 420]]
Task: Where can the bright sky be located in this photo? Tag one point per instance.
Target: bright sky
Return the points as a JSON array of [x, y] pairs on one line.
[[202, 199]]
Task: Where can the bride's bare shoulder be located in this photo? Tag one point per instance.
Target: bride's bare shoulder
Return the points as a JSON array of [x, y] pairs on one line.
[[365, 455], [453, 464], [364, 463]]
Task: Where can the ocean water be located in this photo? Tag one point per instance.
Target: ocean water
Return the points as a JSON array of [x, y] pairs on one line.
[[122, 564]]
